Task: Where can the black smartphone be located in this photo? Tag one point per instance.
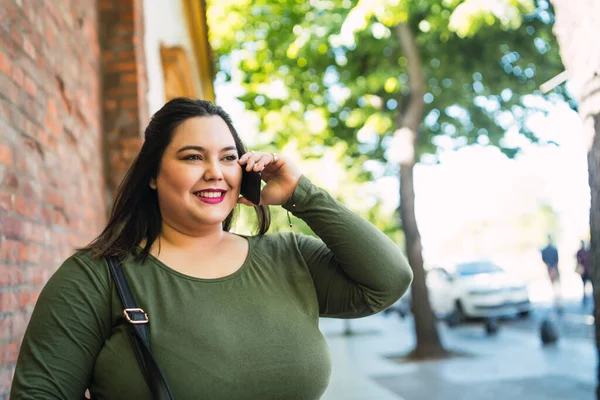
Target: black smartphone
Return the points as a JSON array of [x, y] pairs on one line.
[[250, 187]]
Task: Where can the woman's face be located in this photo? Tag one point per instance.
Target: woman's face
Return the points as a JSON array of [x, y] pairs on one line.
[[198, 182]]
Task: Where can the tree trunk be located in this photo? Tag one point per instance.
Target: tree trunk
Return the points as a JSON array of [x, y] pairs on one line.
[[428, 340], [575, 25], [594, 180]]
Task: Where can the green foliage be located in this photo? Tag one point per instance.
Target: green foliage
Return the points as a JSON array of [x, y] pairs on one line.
[[325, 73]]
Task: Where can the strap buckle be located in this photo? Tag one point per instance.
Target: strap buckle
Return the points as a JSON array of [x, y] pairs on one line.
[[130, 317]]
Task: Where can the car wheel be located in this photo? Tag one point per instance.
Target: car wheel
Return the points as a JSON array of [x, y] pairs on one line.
[[491, 326], [457, 316]]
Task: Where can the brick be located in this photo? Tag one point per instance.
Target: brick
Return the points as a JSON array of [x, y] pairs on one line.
[[126, 55], [49, 36], [29, 49], [8, 251], [127, 16], [23, 253], [106, 5], [4, 275], [33, 210], [6, 201], [30, 87], [27, 299], [27, 231], [11, 228], [10, 275], [9, 89], [10, 352], [5, 329], [129, 78], [21, 206], [34, 251], [19, 320], [16, 276], [16, 35], [51, 108], [5, 64], [123, 66], [18, 76], [8, 301], [31, 189], [10, 182], [6, 376], [5, 155], [35, 275], [46, 213], [55, 198], [17, 119], [4, 110], [130, 103]]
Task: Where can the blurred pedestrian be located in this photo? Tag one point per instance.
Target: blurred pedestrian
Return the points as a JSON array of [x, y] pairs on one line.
[[550, 258], [229, 316], [584, 267]]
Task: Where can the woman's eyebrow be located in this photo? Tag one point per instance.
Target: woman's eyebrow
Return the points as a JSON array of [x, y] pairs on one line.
[[202, 149]]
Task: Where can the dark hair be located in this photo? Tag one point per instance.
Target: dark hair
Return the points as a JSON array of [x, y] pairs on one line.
[[135, 215]]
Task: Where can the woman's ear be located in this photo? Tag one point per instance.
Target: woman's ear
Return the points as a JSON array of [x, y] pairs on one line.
[[153, 183]]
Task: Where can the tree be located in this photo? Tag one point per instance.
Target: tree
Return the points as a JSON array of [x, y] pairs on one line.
[[389, 80], [575, 25]]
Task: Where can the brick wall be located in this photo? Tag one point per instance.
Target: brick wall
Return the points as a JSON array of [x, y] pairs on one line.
[[72, 111], [51, 169], [125, 108]]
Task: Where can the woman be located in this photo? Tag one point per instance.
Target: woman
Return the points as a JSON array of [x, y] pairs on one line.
[[231, 317]]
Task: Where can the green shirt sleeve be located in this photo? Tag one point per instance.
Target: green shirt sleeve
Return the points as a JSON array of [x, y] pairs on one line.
[[357, 270], [67, 329]]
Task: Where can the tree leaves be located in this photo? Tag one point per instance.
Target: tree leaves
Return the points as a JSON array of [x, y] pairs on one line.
[[323, 71]]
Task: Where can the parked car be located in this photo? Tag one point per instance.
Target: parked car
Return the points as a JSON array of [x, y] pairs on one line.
[[477, 289]]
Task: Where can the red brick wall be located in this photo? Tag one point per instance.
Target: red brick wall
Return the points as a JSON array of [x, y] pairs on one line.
[[125, 107], [51, 170]]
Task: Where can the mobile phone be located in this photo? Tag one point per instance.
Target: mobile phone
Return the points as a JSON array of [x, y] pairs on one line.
[[250, 187]]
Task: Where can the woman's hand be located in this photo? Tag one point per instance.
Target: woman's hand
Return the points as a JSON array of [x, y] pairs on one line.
[[280, 174]]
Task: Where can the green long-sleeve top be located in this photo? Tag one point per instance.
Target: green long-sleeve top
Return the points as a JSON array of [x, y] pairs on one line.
[[250, 335]]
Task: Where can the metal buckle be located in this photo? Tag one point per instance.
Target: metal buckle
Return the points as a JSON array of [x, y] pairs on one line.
[[135, 310]]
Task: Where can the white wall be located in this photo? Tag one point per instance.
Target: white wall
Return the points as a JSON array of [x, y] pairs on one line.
[[164, 23]]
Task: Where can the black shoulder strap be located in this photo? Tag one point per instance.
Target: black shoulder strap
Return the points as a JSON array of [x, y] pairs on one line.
[[138, 321]]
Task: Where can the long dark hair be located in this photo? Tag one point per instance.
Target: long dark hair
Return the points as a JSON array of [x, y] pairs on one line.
[[135, 215]]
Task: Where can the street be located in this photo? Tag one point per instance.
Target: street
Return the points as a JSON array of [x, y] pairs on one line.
[[512, 364]]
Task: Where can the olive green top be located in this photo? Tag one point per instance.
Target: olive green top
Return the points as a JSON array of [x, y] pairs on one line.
[[250, 335]]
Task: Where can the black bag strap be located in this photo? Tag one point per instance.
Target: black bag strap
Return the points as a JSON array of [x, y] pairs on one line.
[[138, 321]]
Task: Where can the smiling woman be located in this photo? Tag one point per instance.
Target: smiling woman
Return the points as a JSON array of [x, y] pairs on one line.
[[229, 316]]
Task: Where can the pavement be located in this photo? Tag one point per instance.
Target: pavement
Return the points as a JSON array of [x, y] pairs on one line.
[[575, 322], [512, 364]]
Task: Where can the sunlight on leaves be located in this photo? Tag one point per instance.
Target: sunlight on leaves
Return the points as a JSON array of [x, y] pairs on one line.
[[471, 15]]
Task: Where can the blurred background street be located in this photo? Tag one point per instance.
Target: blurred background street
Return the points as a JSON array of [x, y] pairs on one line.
[[512, 364]]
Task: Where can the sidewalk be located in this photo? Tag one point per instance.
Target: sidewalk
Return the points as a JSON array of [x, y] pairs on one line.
[[510, 365]]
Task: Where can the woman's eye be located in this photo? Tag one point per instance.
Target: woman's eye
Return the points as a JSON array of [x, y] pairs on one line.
[[231, 158], [192, 157]]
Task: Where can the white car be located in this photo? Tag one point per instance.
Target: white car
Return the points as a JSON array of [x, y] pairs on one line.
[[478, 289]]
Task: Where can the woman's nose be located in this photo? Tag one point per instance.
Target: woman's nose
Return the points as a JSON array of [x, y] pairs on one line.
[[213, 171]]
